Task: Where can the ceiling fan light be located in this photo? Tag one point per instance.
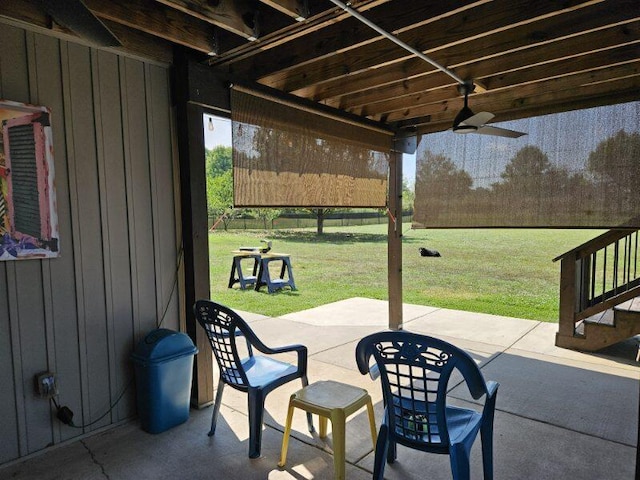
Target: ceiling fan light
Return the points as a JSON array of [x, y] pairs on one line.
[[465, 129]]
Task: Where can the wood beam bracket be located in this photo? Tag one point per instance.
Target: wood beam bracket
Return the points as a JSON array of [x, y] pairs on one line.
[[215, 44], [298, 9], [406, 144], [252, 20]]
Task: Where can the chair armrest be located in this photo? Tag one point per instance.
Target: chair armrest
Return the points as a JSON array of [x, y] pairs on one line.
[[492, 388], [490, 401], [301, 350], [254, 341], [261, 347], [374, 371], [302, 355]]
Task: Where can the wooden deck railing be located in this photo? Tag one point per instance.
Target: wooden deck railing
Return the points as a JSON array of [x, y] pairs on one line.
[[597, 276]]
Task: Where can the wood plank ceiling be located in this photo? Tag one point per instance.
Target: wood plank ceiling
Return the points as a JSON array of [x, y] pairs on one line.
[[528, 58]]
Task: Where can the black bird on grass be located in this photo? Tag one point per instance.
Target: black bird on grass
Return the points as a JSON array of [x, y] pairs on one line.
[[425, 252]]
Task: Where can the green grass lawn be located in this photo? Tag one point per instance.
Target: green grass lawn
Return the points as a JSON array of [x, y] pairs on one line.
[[504, 271]]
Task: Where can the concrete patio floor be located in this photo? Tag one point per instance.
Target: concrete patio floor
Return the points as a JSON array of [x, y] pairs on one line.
[[560, 414]]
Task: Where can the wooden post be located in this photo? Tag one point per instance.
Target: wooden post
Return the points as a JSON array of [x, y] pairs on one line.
[[566, 319], [195, 234], [638, 442], [394, 241]]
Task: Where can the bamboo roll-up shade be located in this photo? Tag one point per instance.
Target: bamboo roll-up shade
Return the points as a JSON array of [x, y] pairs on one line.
[[288, 156], [577, 169]]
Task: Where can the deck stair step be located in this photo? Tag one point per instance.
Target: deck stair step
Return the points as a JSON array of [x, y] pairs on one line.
[[611, 326], [631, 307]]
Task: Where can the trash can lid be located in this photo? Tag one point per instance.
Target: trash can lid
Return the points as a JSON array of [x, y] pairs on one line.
[[161, 345]]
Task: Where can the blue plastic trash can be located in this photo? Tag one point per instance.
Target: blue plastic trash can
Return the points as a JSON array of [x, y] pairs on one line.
[[163, 363]]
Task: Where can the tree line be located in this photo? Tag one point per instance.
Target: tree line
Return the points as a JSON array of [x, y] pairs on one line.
[[531, 188]]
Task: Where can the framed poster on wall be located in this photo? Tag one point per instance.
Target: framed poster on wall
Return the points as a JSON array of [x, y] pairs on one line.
[[28, 216]]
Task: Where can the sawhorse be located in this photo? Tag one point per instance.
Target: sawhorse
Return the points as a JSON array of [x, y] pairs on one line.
[[236, 270]]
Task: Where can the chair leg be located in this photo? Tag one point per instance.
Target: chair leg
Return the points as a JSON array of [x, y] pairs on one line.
[[381, 453], [372, 422], [338, 426], [305, 383], [391, 448], [459, 458], [285, 437], [216, 407], [486, 438], [392, 451], [323, 426], [256, 414]]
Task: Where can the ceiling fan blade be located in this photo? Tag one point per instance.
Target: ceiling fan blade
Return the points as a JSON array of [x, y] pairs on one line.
[[74, 15], [499, 132], [478, 119]]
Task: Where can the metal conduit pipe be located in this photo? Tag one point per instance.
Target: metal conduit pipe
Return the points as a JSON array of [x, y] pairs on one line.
[[396, 40]]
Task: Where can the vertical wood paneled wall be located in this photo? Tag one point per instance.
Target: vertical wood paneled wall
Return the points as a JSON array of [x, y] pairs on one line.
[[80, 315]]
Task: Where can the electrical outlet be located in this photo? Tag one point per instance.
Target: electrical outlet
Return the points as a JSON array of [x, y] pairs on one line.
[[46, 384]]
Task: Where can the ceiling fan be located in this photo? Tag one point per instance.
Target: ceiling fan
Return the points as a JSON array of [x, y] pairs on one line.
[[74, 15], [468, 122]]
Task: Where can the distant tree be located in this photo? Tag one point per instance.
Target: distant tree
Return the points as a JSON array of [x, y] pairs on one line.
[[616, 161], [438, 175], [529, 161], [530, 173], [218, 160], [408, 195], [218, 165], [536, 190], [220, 197], [320, 214], [440, 187]]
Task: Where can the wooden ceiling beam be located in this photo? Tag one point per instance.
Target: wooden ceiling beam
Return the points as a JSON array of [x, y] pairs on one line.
[[564, 57], [612, 59], [141, 43], [163, 22], [475, 23], [519, 95], [503, 48], [25, 11], [133, 41], [236, 16], [546, 102], [286, 35], [297, 9], [448, 107], [604, 58], [346, 35]]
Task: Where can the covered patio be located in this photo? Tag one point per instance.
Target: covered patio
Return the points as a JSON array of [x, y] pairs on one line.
[[129, 154], [560, 414]]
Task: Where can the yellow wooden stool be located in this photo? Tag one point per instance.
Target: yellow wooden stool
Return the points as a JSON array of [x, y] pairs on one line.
[[335, 401]]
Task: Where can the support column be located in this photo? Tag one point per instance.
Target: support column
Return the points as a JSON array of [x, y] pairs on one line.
[[394, 241], [566, 321], [638, 442], [195, 232]]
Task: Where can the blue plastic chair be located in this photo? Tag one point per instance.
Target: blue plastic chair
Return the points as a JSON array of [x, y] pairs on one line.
[[255, 374], [415, 372]]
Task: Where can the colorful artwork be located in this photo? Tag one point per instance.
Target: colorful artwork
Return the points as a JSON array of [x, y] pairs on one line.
[[28, 217], [4, 212]]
